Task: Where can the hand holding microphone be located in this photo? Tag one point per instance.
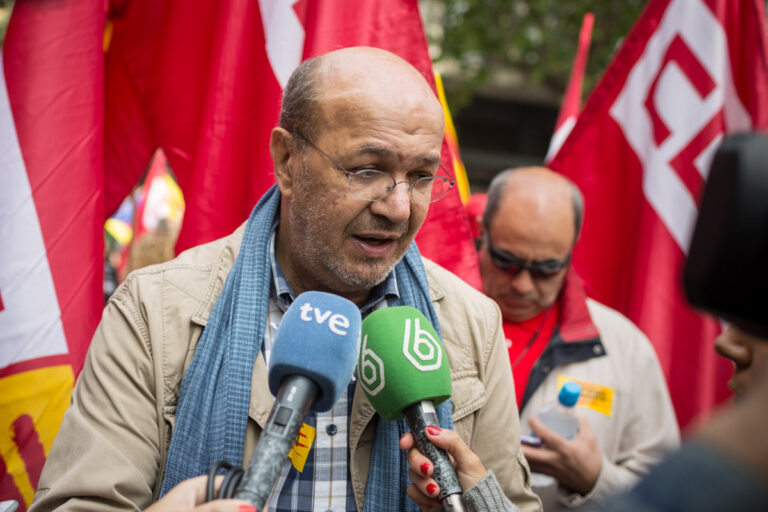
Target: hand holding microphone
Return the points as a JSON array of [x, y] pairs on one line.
[[312, 361], [424, 490], [403, 370]]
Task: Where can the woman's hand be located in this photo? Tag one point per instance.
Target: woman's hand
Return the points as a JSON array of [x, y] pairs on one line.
[[424, 490]]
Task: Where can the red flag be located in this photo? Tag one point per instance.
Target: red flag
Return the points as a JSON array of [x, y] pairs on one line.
[[51, 218], [203, 81], [571, 106], [688, 72]]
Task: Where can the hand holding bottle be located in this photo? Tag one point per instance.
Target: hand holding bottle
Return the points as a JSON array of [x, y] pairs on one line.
[[575, 463]]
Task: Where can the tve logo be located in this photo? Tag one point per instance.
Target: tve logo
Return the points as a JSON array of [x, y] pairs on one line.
[[337, 322]]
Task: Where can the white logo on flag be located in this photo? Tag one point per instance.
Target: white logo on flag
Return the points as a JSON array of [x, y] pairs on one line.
[[422, 350], [284, 37], [676, 98]]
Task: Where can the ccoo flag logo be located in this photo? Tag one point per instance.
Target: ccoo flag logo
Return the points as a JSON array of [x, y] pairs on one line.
[[421, 349]]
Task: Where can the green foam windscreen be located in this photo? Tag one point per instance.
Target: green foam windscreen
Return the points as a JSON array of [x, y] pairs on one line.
[[402, 361]]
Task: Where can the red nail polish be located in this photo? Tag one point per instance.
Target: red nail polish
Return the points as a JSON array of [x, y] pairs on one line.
[[246, 508], [435, 431], [432, 489], [424, 468]]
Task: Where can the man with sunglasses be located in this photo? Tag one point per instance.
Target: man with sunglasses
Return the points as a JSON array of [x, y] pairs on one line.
[[555, 333]]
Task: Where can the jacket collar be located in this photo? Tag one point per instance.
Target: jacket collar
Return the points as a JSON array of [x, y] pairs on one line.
[[575, 323], [219, 272]]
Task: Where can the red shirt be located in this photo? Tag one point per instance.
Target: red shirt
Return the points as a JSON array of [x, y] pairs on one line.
[[526, 341]]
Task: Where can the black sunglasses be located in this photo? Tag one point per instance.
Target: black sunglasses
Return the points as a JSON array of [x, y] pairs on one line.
[[508, 262]]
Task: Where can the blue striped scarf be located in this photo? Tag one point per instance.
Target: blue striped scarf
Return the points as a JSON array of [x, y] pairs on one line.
[[212, 410]]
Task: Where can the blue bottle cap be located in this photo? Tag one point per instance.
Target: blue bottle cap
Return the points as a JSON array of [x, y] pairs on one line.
[[569, 393]]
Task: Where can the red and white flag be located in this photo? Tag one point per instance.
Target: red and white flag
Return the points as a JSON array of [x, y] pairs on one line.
[[689, 72], [203, 80], [51, 222]]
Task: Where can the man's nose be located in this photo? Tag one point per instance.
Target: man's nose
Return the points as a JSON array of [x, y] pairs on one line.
[[522, 283], [397, 205]]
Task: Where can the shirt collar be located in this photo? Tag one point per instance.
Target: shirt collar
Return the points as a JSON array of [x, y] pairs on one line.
[[283, 293]]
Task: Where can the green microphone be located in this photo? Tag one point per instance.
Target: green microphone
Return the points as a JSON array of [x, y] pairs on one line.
[[404, 371]]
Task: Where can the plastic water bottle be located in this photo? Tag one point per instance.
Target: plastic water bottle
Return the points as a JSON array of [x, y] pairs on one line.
[[560, 416]]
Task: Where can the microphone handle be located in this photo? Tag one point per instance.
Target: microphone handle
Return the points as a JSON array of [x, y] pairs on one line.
[[291, 406], [419, 416]]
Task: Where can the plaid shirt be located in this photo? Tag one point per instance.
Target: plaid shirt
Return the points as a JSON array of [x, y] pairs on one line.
[[325, 483]]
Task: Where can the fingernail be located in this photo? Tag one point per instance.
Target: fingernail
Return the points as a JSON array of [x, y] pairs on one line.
[[435, 431], [431, 489], [424, 468], [246, 508]]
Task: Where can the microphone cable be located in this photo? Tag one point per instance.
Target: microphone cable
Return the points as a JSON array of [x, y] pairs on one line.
[[232, 477]]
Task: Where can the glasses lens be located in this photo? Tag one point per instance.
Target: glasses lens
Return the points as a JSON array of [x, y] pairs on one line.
[[370, 184], [440, 187], [503, 263], [542, 273], [421, 191]]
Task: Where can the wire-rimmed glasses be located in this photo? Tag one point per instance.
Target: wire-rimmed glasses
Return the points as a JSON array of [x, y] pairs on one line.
[[374, 185]]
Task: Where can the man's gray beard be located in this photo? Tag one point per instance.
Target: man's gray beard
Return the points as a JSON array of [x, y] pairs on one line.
[[314, 253], [327, 258], [355, 281]]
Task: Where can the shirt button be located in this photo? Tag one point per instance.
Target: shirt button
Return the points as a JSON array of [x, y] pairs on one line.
[[331, 429], [597, 349]]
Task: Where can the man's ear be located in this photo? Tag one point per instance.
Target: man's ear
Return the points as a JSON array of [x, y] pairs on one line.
[[279, 148]]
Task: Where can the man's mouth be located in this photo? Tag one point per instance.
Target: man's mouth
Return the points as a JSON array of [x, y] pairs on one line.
[[375, 245], [373, 241]]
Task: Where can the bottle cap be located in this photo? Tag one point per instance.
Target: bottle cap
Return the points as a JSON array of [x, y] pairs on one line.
[[569, 393]]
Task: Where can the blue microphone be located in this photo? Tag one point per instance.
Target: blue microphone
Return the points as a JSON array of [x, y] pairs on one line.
[[313, 357]]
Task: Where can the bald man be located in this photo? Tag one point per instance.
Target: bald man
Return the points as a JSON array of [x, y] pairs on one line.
[[176, 375], [555, 333]]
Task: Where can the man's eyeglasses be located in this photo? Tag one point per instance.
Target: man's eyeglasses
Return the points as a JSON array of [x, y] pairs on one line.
[[508, 262], [374, 185]]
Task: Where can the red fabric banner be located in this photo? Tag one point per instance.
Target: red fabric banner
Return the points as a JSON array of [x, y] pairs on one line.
[[51, 222], [571, 106], [202, 80], [688, 72]]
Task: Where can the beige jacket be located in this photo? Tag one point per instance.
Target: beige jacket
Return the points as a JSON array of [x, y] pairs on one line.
[[112, 446], [639, 428]]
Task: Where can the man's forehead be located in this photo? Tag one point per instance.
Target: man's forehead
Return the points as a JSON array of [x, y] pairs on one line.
[[365, 76], [340, 96]]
